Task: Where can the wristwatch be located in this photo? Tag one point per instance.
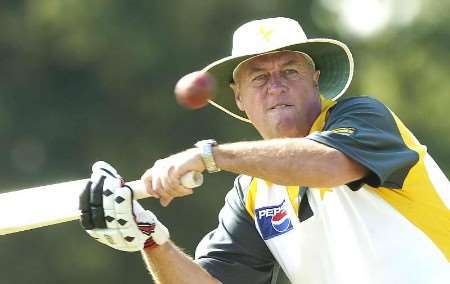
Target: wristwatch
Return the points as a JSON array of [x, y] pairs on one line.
[[206, 152]]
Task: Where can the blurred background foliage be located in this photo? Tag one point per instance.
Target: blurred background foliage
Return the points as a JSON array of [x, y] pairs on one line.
[[86, 80]]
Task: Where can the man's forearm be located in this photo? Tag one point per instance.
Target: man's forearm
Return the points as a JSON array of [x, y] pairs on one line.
[[290, 161], [168, 264]]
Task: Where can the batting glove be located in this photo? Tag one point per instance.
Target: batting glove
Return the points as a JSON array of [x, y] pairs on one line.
[[111, 216]]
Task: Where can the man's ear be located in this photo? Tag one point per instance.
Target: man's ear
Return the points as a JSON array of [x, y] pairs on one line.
[[237, 96], [316, 76]]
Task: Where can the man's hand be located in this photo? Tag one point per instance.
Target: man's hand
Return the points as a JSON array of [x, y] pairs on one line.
[[109, 214], [163, 179]]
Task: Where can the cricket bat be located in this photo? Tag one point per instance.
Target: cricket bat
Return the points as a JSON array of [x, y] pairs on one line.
[[42, 206]]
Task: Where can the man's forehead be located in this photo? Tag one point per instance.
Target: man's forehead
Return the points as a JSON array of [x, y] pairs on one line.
[[281, 57]]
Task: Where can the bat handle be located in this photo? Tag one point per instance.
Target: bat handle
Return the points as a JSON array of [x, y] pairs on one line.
[[192, 179], [189, 180]]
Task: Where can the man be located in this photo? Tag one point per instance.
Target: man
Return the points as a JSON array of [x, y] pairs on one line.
[[337, 192]]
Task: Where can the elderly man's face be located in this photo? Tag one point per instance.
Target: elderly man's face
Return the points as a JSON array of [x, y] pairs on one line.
[[279, 93]]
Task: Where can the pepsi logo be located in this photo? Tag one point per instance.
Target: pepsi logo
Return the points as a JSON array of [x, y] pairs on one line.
[[281, 221], [273, 220]]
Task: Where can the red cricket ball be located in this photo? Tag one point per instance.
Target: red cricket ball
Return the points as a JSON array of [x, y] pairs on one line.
[[195, 89]]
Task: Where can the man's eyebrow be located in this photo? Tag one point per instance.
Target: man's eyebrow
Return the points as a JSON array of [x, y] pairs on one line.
[[293, 62], [254, 69]]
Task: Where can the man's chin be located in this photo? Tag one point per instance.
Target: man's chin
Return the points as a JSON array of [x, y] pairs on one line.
[[287, 129]]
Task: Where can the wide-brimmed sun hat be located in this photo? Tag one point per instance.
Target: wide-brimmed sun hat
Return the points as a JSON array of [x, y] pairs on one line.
[[331, 57]]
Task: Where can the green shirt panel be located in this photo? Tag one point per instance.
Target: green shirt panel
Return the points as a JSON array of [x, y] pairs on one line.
[[365, 130]]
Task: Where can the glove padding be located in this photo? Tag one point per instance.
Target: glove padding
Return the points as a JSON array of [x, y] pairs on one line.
[[111, 216]]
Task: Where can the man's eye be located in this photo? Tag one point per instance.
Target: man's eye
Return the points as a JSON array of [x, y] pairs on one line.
[[259, 78], [290, 71]]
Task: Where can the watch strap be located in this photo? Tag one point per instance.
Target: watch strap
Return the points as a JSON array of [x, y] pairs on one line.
[[206, 151]]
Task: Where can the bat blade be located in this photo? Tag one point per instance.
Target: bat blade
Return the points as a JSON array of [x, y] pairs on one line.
[[36, 207], [42, 206]]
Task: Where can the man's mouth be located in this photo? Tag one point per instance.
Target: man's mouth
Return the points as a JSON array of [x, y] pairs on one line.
[[280, 106]]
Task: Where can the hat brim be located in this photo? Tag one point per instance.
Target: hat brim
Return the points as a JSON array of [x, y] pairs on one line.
[[331, 57]]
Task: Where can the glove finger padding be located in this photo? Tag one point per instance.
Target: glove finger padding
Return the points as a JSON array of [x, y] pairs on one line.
[[108, 213]]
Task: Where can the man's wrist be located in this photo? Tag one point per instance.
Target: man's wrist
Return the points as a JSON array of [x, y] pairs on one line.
[[159, 249]]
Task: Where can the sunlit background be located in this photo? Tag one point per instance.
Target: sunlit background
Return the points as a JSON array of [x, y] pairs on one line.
[[369, 18], [83, 80]]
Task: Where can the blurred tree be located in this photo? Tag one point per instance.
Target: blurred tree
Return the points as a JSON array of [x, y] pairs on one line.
[[87, 80]]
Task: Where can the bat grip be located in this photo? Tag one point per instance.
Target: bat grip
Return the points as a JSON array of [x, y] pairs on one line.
[[189, 180]]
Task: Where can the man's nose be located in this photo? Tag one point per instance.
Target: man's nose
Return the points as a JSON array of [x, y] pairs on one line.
[[276, 84]]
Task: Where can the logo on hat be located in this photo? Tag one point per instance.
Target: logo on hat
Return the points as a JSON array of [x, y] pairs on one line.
[[265, 33], [273, 220]]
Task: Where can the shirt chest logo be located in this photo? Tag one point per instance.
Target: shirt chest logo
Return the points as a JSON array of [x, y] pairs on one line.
[[273, 220]]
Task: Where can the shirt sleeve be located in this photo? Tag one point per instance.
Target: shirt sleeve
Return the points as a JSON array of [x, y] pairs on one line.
[[365, 130], [234, 252]]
